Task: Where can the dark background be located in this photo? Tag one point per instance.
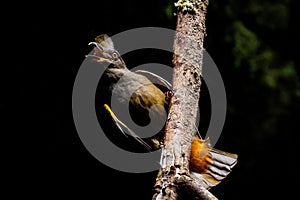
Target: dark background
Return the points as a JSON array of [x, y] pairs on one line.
[[255, 45]]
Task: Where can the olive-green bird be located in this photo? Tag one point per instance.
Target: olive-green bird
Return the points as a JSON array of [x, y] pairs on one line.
[[149, 102]]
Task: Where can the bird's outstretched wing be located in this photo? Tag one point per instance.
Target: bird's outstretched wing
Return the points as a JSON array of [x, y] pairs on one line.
[[125, 129]]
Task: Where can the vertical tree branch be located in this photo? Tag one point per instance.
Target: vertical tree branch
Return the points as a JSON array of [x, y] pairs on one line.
[[180, 127]]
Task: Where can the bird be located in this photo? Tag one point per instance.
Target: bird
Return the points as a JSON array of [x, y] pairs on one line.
[[147, 90]]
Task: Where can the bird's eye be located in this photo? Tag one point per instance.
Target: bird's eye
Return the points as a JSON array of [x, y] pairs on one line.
[[114, 55]]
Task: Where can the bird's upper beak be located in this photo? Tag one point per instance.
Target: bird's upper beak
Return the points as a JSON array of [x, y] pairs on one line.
[[97, 54], [96, 45]]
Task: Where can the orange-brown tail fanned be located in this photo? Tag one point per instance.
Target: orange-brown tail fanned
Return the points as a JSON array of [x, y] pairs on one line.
[[210, 166]]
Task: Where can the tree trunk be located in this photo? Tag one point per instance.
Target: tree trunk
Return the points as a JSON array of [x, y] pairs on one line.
[[174, 175]]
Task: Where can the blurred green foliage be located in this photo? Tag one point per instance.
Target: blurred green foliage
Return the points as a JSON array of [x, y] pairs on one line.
[[270, 14], [246, 43], [266, 63]]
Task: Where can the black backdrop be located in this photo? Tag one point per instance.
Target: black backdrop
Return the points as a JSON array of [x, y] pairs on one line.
[[52, 39]]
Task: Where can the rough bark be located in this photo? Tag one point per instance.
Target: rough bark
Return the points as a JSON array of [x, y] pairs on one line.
[[180, 127]]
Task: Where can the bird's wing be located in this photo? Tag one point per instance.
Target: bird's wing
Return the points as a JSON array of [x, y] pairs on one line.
[[125, 129], [154, 78]]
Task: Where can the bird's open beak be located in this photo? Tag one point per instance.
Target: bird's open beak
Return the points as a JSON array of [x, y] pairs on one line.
[[96, 45], [97, 54]]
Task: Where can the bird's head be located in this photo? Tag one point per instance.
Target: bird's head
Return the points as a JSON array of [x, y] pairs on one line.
[[104, 52]]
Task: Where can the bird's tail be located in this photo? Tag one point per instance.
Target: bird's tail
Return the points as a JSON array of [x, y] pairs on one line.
[[210, 166]]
